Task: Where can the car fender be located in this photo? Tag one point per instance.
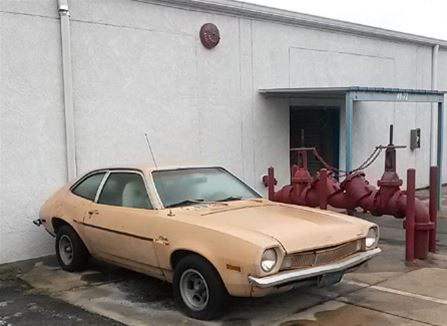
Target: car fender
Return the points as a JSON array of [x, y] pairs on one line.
[[234, 258]]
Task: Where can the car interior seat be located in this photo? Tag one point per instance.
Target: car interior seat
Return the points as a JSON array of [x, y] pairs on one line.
[[134, 195]]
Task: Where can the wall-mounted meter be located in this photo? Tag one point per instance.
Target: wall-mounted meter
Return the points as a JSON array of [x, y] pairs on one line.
[[415, 138]]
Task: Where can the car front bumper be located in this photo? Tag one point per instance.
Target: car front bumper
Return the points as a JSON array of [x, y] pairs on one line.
[[307, 273]]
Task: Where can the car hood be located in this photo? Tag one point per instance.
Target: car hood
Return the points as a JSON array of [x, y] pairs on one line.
[[297, 228]]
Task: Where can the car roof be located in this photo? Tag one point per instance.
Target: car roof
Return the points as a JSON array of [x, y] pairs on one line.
[[148, 167]]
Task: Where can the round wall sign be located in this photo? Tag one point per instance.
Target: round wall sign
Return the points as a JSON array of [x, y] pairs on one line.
[[209, 35]]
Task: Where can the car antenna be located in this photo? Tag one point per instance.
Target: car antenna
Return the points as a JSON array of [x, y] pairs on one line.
[[155, 163], [150, 150]]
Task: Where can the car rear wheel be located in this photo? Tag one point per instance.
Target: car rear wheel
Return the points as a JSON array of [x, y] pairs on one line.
[[198, 288], [71, 252]]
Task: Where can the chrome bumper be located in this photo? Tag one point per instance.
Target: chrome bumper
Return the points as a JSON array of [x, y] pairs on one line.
[[302, 274]]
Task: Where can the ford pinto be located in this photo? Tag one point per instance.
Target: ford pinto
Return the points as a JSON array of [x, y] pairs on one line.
[[205, 231]]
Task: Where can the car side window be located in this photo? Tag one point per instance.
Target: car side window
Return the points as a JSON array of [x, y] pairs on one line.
[[126, 190], [87, 188]]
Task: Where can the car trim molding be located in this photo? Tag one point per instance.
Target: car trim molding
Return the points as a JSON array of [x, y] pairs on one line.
[[114, 231], [101, 185], [130, 260], [302, 274]]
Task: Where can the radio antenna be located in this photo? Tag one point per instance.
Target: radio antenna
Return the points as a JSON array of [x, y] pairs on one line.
[[150, 150]]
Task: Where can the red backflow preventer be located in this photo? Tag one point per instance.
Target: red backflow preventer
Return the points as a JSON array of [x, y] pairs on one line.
[[355, 191]]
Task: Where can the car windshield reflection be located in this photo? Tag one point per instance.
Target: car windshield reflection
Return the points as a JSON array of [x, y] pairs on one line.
[[183, 187]]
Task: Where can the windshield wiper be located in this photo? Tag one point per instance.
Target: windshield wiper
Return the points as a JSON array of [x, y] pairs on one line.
[[186, 202], [200, 200], [230, 198]]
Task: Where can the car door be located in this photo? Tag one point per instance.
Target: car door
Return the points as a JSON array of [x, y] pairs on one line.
[[83, 194], [119, 224]]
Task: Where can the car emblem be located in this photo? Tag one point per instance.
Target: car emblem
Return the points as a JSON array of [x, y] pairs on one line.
[[162, 240]]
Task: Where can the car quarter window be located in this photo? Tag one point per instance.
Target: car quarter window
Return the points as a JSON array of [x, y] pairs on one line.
[[87, 188], [126, 190]]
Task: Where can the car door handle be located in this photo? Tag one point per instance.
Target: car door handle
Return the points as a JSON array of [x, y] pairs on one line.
[[93, 211]]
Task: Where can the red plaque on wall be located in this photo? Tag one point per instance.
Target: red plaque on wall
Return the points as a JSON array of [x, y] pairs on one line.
[[209, 35]]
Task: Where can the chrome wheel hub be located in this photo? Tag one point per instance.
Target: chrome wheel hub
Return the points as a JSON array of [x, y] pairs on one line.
[[194, 290], [66, 249]]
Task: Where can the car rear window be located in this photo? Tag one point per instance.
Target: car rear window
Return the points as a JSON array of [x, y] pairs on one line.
[[87, 188]]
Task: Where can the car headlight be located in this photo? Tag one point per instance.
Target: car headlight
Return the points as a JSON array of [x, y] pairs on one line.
[[371, 238], [268, 260]]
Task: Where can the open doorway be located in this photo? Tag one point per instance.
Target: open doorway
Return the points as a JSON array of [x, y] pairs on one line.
[[321, 125]]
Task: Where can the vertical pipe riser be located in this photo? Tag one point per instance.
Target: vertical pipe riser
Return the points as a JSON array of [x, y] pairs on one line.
[[68, 88], [349, 103], [434, 86], [323, 189], [410, 216], [271, 183], [441, 139], [433, 205]]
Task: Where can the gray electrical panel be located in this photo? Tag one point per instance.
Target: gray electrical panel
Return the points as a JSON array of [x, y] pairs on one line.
[[415, 138]]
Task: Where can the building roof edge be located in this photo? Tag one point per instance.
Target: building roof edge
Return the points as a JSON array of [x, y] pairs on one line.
[[254, 11]]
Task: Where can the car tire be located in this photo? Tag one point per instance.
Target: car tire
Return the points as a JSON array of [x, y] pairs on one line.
[[71, 252], [198, 288]]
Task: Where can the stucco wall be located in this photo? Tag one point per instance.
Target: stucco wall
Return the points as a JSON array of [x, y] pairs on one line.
[[140, 67], [31, 130]]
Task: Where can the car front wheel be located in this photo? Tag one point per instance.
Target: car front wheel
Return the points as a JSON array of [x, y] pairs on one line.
[[198, 288], [71, 252]]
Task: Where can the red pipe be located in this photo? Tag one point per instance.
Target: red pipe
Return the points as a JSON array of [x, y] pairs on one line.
[[323, 189], [433, 211], [355, 191], [409, 221], [271, 183]]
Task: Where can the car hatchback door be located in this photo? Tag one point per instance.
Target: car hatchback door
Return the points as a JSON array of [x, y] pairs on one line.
[[119, 225]]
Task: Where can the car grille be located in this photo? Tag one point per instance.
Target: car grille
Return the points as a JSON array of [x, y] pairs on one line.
[[321, 256]]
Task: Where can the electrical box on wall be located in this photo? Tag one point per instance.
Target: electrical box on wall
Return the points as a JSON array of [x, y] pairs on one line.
[[415, 138]]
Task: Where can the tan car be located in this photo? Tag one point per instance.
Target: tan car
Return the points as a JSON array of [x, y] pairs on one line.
[[205, 231]]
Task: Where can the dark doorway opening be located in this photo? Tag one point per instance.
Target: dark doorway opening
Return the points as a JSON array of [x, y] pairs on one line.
[[321, 125]]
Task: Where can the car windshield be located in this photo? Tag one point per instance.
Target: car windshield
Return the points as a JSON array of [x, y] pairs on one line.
[[197, 185]]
